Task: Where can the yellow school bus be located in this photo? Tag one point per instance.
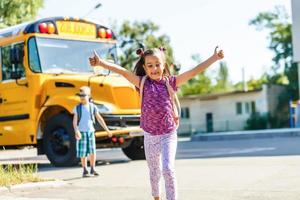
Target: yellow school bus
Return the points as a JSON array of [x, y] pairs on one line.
[[42, 66]]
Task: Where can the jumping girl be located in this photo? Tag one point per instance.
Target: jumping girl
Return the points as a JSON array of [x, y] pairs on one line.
[[159, 114]]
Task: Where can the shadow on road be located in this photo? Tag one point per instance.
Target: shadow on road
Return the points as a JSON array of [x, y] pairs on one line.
[[49, 167]]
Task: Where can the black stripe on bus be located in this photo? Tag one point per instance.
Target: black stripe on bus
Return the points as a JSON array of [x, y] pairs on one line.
[[14, 117]]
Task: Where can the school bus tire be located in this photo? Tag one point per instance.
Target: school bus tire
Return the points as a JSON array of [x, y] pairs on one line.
[[135, 151], [59, 141]]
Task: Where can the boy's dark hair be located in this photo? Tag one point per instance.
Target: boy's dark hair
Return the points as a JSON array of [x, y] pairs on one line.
[[139, 69]]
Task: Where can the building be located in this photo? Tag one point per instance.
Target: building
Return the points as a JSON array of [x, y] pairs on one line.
[[226, 111]]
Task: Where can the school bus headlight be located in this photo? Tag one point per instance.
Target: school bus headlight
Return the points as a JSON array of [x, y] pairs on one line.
[[51, 28], [104, 108], [102, 33], [47, 28], [43, 28], [105, 33], [108, 34]]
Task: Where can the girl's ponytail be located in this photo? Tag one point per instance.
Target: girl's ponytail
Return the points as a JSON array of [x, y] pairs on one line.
[[139, 66]]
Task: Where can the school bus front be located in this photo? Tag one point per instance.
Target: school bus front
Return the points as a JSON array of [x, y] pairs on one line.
[[43, 65]]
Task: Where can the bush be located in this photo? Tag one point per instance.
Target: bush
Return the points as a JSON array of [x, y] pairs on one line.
[[17, 174], [257, 121]]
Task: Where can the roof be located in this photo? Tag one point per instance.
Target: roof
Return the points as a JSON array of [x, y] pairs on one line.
[[32, 27], [13, 30], [216, 95]]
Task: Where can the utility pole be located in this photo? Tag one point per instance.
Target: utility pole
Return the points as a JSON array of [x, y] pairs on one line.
[[94, 8], [296, 35], [245, 86]]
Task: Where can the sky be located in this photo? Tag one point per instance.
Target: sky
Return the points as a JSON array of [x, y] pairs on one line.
[[194, 27]]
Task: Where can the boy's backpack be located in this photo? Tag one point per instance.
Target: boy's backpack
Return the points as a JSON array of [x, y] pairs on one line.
[[92, 114], [173, 96]]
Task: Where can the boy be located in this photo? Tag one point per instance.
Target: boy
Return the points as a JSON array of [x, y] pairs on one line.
[[83, 123]]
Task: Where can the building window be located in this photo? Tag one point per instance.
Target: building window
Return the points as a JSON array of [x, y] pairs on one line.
[[247, 107], [185, 113], [239, 109], [253, 107]]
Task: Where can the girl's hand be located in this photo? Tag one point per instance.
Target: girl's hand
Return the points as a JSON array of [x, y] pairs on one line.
[[218, 55], [95, 60]]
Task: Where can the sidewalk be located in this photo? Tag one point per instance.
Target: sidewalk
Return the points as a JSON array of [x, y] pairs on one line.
[[234, 178], [27, 155], [238, 135]]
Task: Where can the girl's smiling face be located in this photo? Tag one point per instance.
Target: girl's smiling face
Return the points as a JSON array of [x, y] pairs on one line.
[[154, 66]]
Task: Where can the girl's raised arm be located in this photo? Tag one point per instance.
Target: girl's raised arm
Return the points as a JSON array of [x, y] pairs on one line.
[[184, 77], [131, 77]]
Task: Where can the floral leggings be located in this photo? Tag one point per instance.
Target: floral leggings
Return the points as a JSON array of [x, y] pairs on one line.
[[161, 149]]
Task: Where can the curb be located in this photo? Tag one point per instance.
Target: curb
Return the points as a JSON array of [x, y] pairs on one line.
[[240, 135], [35, 185]]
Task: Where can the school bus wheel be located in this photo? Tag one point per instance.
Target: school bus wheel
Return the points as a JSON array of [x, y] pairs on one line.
[[135, 150], [59, 141]]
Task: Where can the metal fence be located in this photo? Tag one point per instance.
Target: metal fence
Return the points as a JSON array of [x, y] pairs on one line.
[[189, 128]]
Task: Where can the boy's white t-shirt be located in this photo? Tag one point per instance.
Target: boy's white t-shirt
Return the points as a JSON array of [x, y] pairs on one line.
[[86, 123]]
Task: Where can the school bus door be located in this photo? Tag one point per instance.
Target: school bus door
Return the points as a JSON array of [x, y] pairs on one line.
[[14, 97]]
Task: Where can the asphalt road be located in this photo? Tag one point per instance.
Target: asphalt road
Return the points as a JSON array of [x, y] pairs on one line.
[[257, 169]]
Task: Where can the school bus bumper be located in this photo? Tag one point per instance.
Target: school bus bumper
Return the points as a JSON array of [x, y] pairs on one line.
[[130, 131]]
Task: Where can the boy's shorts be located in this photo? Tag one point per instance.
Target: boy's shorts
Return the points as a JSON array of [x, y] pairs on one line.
[[86, 145]]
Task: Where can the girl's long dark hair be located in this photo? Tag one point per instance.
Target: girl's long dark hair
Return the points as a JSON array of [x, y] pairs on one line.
[[139, 66]]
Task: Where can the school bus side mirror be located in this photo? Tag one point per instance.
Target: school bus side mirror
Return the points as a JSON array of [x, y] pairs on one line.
[[15, 75], [16, 55]]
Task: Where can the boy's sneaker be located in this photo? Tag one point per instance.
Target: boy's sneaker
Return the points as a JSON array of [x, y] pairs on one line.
[[94, 172], [85, 173]]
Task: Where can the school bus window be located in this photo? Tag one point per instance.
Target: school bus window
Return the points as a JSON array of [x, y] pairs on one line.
[[0, 65], [68, 56], [6, 63], [34, 60], [7, 66], [20, 67]]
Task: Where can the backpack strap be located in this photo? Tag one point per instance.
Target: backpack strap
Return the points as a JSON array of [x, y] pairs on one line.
[[91, 109], [79, 111], [142, 87], [92, 112], [175, 101]]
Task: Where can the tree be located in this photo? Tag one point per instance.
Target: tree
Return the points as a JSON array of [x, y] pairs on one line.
[[14, 12], [252, 84], [201, 84], [223, 83], [279, 26], [277, 22], [138, 34]]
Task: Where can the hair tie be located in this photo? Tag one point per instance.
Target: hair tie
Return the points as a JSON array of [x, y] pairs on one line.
[[140, 52], [163, 49]]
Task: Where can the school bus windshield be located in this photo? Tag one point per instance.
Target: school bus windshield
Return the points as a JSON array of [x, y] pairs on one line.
[[48, 55]]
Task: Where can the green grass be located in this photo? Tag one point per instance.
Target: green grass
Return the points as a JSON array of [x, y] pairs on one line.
[[17, 174]]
